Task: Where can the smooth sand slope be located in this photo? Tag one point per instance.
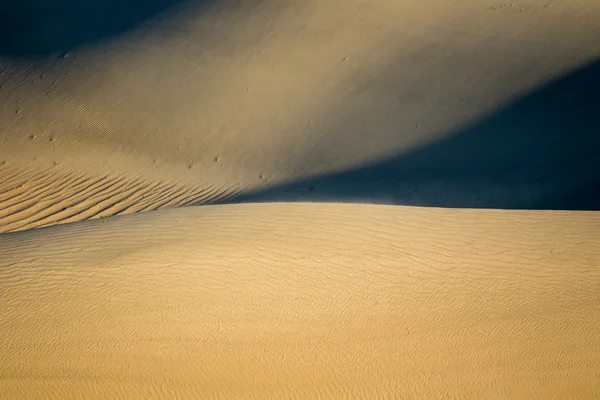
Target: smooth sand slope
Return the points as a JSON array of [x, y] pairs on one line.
[[304, 301]]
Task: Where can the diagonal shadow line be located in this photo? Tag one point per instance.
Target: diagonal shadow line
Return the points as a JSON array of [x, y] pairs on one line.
[[541, 152], [42, 27]]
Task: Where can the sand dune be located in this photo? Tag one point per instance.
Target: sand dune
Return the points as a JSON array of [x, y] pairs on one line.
[[254, 95], [304, 301], [122, 107]]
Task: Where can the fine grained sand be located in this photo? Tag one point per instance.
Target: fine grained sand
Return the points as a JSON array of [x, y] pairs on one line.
[[304, 301], [225, 101]]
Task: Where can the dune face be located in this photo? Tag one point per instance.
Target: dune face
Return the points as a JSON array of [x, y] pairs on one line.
[[485, 110], [428, 103], [253, 301]]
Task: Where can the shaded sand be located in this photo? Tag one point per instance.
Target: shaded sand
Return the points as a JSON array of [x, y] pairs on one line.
[[276, 100], [304, 301]]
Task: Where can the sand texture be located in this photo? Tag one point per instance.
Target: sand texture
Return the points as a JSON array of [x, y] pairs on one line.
[[299, 199], [304, 301], [470, 103]]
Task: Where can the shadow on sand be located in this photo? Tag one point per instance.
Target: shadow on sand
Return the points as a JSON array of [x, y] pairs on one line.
[[541, 152], [40, 27]]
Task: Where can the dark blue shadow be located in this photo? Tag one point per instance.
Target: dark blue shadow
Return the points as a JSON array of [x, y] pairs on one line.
[[542, 152], [40, 27]]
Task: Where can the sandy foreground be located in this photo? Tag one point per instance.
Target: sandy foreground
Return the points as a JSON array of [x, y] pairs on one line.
[[472, 105], [304, 301]]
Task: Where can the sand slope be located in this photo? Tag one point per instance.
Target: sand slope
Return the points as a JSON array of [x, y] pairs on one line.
[[304, 301], [250, 95]]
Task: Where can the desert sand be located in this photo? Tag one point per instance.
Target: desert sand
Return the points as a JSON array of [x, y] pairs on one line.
[[253, 301], [240, 136]]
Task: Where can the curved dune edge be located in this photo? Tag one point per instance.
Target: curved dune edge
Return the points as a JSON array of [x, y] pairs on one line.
[[304, 301]]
